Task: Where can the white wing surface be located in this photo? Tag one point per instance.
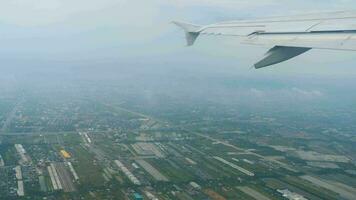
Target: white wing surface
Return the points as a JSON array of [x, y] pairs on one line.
[[289, 36]]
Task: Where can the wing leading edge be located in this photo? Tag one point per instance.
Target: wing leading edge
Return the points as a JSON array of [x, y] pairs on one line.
[[289, 36]]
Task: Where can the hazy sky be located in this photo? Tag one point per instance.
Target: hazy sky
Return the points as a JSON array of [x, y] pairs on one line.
[[89, 32]]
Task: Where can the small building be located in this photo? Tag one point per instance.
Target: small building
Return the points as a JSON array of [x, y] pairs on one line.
[[135, 166], [291, 195], [195, 185], [137, 196]]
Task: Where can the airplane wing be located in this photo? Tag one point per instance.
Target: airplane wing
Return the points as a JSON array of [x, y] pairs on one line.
[[289, 36]]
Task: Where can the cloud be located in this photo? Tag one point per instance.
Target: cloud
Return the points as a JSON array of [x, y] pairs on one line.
[[44, 12], [306, 93], [238, 4], [289, 94], [256, 92]]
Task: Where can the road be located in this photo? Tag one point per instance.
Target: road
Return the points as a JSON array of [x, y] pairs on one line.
[[11, 115]]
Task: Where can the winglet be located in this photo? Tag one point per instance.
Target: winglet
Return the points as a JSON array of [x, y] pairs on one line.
[[192, 31]]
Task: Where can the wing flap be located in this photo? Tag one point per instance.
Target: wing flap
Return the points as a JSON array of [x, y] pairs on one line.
[[279, 54]]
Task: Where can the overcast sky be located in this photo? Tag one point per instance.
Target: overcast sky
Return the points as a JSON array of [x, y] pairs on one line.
[[85, 32]]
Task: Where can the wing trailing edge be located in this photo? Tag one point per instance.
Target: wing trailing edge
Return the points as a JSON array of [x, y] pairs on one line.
[[192, 31]]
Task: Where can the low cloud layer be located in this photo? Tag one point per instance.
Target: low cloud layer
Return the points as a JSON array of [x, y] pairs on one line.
[[289, 94]]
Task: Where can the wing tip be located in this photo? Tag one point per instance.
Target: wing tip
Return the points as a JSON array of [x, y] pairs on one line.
[[191, 31], [188, 27]]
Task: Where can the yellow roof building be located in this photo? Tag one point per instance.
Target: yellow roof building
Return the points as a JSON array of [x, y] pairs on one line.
[[65, 154]]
